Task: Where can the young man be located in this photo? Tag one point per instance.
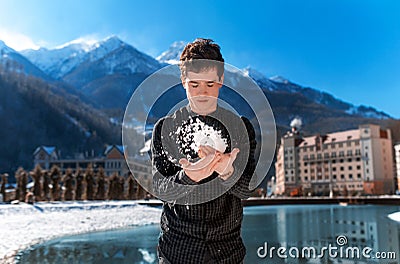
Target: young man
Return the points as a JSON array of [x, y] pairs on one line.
[[203, 160]]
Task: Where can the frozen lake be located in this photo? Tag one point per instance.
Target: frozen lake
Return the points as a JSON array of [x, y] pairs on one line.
[[265, 229]]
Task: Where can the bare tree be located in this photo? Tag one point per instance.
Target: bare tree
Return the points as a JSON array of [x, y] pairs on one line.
[[68, 181], [46, 187], [90, 182], [101, 185], [132, 187], [113, 187], [55, 181], [36, 175], [4, 181], [79, 185]]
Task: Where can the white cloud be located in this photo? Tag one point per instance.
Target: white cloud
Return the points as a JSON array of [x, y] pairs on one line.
[[17, 41]]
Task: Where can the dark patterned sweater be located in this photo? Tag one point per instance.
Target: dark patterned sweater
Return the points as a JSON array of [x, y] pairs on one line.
[[206, 215]]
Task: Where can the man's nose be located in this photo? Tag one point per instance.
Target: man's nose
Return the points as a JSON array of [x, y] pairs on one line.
[[203, 88]]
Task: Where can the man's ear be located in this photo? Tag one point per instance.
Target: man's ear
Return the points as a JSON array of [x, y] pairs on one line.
[[221, 80], [183, 80]]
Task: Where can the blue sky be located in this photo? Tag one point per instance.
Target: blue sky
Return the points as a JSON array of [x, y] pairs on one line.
[[349, 48]]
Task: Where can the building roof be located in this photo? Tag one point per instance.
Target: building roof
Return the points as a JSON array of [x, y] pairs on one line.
[[48, 149], [333, 137], [120, 148]]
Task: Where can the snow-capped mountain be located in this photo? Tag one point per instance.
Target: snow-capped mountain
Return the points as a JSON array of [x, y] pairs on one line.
[[281, 84], [60, 61], [108, 71], [173, 53], [259, 78], [11, 60], [110, 57]]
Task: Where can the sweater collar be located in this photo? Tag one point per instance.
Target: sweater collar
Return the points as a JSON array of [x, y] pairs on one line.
[[214, 113]]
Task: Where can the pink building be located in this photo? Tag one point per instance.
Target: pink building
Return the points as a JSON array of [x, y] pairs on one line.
[[351, 162]]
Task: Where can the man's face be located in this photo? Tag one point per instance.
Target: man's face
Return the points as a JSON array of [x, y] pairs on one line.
[[202, 90]]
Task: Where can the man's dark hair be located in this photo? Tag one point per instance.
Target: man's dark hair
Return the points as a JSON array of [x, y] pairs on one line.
[[202, 54]]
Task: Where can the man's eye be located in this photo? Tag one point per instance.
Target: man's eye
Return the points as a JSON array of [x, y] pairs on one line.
[[195, 85], [210, 84]]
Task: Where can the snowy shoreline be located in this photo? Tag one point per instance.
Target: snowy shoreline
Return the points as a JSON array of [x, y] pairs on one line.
[[23, 225]]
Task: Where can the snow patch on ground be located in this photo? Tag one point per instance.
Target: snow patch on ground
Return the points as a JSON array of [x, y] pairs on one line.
[[22, 225]]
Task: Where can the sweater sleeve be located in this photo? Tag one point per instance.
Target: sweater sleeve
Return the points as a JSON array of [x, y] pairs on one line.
[[167, 175], [241, 188]]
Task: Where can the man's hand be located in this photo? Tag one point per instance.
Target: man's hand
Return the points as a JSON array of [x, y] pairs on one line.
[[204, 167], [224, 167], [211, 160]]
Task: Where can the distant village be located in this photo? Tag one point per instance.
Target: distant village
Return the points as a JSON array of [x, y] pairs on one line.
[[347, 163], [355, 162], [86, 177]]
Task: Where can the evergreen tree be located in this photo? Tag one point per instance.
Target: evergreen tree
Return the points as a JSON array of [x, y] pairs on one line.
[[68, 181], [55, 181], [90, 182], [36, 175], [101, 184], [79, 185]]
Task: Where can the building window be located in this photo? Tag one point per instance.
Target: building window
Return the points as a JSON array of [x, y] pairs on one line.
[[341, 153], [342, 176], [333, 154], [340, 145], [349, 153], [305, 171], [358, 167], [334, 176], [350, 167], [333, 145], [359, 175], [349, 160], [350, 176], [342, 168], [348, 143], [334, 169], [341, 160]]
